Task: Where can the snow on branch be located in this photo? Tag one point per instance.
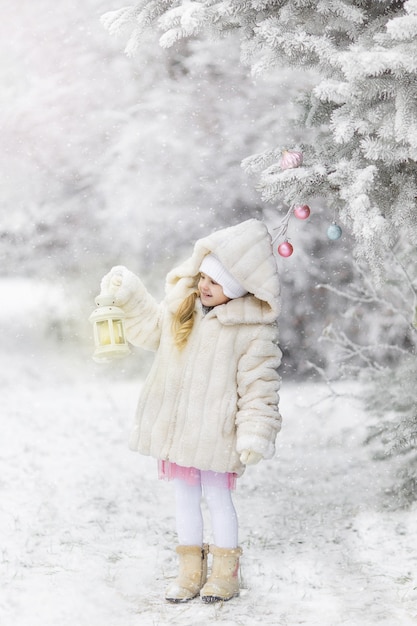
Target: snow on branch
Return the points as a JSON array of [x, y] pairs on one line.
[[365, 354], [295, 45], [293, 184], [362, 62], [258, 162], [348, 12], [332, 90], [182, 21], [405, 26], [116, 22], [385, 150]]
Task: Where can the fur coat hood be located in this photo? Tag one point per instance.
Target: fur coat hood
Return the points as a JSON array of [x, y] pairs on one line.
[[245, 250]]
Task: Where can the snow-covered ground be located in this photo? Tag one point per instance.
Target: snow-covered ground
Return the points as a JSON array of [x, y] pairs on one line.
[[87, 530]]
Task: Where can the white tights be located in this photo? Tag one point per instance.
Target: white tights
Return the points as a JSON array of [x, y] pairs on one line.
[[189, 519]]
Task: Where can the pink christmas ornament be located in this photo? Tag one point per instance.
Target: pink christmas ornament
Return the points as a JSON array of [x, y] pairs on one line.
[[302, 211], [285, 249], [291, 159]]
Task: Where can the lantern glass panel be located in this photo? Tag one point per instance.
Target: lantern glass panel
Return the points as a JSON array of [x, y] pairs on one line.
[[119, 336], [103, 330]]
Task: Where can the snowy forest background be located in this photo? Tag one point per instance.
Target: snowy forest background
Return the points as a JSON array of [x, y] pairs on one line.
[[113, 158]]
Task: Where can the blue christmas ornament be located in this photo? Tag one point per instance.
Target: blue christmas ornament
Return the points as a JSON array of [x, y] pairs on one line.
[[334, 232]]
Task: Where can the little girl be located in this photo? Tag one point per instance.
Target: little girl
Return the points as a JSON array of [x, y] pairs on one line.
[[209, 405]]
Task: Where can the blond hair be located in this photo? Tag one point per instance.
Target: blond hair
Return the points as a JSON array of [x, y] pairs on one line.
[[183, 320]]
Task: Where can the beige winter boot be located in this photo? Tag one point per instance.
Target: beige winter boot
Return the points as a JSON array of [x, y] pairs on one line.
[[192, 573], [223, 582]]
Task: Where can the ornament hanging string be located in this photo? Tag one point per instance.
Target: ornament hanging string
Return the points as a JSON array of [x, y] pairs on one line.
[[282, 226]]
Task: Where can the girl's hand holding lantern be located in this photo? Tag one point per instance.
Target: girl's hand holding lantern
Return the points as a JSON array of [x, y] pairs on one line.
[[120, 283], [111, 282]]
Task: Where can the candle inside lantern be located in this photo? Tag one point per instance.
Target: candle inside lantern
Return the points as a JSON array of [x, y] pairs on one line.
[[118, 331], [110, 331]]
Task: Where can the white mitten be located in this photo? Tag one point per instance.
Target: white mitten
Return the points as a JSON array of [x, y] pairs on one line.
[[249, 457], [120, 283]]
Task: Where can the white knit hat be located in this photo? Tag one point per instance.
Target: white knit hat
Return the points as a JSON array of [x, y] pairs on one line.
[[213, 268]]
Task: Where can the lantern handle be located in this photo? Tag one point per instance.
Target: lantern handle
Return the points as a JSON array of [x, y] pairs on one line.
[[105, 299]]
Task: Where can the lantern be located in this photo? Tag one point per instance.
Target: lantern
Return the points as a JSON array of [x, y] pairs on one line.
[[109, 333]]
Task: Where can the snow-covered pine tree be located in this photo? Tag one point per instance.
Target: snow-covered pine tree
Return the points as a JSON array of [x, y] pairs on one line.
[[362, 160]]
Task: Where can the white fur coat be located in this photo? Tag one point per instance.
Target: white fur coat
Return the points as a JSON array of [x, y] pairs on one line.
[[205, 404]]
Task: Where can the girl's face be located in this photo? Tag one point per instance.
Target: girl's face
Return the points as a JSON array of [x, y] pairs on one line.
[[211, 293]]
